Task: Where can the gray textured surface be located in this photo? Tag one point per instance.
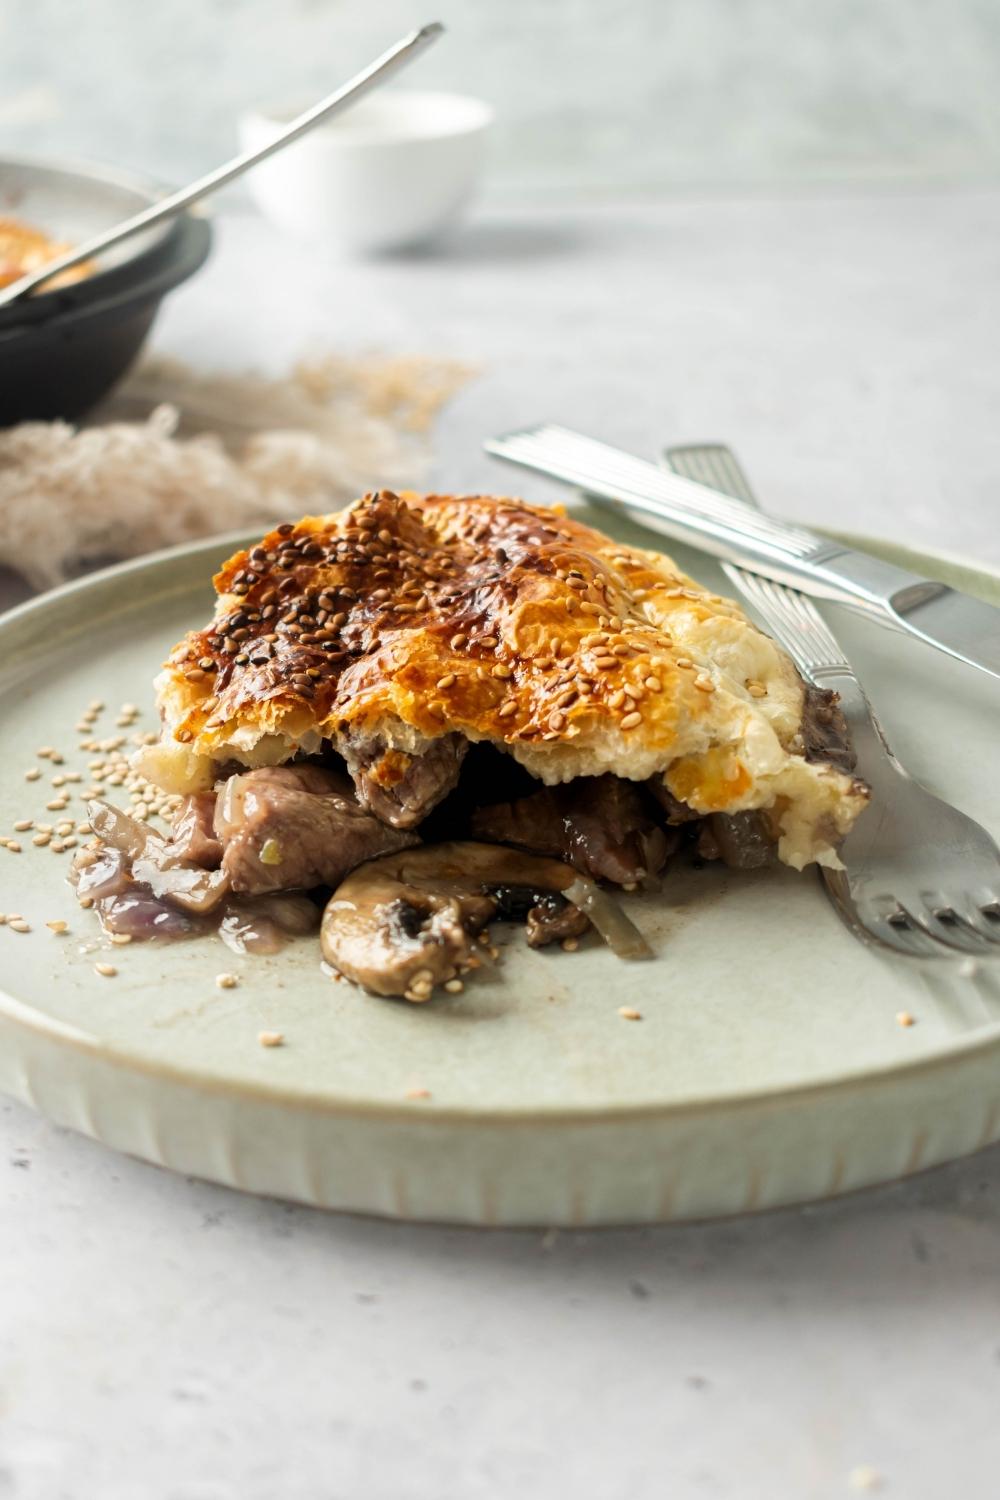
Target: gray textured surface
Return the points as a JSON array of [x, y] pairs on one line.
[[641, 94], [172, 1341], [845, 346], [166, 1340]]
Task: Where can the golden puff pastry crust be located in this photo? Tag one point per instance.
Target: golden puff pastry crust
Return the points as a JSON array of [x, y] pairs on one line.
[[408, 617]]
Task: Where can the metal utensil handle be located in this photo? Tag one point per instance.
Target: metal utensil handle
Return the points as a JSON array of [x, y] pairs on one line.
[[792, 617], [725, 527], [397, 56]]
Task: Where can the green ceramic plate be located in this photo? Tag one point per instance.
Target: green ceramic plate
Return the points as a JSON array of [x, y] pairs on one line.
[[768, 1068]]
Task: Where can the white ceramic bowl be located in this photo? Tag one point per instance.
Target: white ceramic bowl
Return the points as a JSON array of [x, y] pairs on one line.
[[395, 170]]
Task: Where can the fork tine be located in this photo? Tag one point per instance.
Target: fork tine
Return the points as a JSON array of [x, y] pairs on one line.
[[871, 925], [959, 934], [971, 912], [912, 942]]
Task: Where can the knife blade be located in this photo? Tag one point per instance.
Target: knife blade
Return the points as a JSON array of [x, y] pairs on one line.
[[943, 617]]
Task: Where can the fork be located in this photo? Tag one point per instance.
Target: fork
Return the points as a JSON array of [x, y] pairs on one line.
[[919, 876]]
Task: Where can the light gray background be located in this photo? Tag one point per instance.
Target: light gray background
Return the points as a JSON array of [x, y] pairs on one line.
[[167, 1340], [635, 94]]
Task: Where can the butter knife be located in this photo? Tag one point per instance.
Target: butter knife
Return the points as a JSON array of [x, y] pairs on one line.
[[953, 622]]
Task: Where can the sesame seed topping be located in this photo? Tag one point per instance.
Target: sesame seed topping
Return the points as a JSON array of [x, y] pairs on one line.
[[447, 680], [508, 708], [631, 721]]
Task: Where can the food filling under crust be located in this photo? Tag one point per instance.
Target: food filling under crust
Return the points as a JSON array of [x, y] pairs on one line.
[[404, 878]]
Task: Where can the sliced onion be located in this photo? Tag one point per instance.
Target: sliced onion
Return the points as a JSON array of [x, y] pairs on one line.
[[618, 931], [123, 833], [263, 924], [169, 877]]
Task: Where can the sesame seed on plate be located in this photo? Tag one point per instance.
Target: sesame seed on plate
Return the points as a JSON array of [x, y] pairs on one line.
[[18, 924], [629, 1013], [107, 971], [271, 1038]]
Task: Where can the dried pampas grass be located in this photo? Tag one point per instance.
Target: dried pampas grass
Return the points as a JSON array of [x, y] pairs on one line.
[[177, 455]]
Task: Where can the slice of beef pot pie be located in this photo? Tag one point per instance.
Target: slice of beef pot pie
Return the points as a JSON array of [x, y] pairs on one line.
[[439, 711]]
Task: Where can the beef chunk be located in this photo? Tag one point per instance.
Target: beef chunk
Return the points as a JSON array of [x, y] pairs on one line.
[[677, 812], [824, 729], [293, 827], [399, 788], [193, 833], [741, 840], [598, 824]]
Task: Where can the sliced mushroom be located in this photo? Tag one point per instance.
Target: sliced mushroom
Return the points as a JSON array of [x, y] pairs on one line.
[[402, 924]]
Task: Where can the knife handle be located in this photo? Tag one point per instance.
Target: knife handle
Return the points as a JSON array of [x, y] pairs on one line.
[[691, 512]]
